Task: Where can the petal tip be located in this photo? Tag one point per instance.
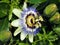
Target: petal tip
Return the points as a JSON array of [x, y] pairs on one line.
[[31, 38], [14, 34], [23, 36], [15, 23]]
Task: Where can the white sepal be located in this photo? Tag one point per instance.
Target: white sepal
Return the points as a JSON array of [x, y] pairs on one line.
[[23, 35], [17, 12], [31, 38], [18, 30], [15, 23]]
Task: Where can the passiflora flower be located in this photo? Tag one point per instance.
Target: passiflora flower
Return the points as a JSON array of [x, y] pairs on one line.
[[28, 22]]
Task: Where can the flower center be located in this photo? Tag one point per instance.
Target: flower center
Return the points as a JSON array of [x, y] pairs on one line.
[[30, 20]]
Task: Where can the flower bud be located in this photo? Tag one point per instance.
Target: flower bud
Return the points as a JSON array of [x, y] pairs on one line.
[[5, 35], [55, 18], [50, 10]]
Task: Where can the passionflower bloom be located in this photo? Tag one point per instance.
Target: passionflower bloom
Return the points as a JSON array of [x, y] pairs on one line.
[[28, 22]]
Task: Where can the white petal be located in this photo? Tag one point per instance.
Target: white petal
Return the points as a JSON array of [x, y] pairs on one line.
[[25, 5], [15, 23], [31, 38], [18, 30], [17, 12], [23, 35]]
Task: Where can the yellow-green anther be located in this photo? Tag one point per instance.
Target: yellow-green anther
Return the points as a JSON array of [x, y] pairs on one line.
[[41, 18]]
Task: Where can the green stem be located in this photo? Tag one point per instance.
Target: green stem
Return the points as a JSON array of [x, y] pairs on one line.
[[11, 41], [35, 42]]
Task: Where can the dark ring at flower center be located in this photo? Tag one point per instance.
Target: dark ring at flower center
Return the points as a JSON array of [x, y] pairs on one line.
[[30, 20]]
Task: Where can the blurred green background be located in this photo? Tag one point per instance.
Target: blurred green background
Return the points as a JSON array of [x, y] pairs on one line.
[[50, 31]]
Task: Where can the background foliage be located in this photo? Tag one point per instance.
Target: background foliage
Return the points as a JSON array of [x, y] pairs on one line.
[[50, 31]]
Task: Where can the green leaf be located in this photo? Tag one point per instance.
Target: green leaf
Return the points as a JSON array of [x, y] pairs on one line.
[[36, 1], [40, 36], [23, 44], [10, 15], [4, 24], [7, 1], [50, 43], [59, 0], [53, 1], [4, 9], [57, 30], [10, 12], [52, 38], [5, 35]]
